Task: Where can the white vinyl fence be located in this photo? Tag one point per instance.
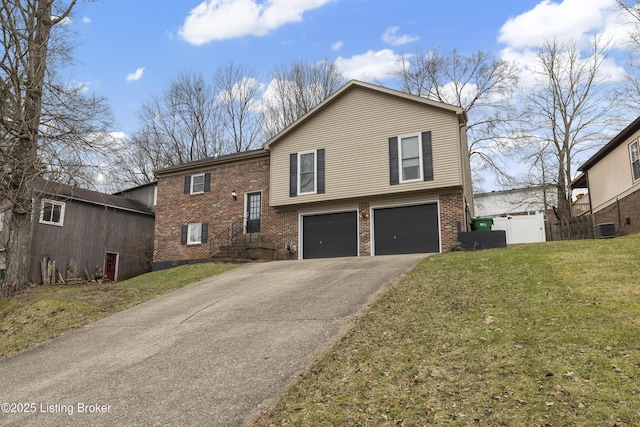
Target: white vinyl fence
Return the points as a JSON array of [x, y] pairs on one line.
[[521, 229]]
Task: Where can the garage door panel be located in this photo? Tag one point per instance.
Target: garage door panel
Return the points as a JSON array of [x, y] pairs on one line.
[[407, 229], [330, 235]]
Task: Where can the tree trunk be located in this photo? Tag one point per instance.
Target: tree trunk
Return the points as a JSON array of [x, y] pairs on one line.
[[25, 170], [17, 251]]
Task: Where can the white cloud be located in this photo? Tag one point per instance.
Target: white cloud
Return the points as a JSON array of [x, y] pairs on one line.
[[575, 20], [86, 20], [225, 19], [137, 75], [391, 37], [568, 21], [337, 45], [370, 65]]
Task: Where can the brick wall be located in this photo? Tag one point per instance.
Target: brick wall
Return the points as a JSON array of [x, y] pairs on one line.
[[451, 214], [625, 214], [218, 209]]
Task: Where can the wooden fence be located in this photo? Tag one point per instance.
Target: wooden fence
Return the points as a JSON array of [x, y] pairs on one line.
[[580, 227]]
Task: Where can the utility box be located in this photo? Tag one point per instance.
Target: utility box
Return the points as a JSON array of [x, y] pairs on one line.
[[481, 224]]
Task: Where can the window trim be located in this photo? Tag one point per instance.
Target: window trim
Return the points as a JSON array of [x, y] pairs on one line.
[[315, 172], [420, 158], [53, 203], [193, 180], [637, 144], [189, 226]]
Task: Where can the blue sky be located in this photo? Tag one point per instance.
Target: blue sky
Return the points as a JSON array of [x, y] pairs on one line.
[[129, 50]]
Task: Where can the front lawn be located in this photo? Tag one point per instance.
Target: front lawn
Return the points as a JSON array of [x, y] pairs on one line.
[[531, 335]]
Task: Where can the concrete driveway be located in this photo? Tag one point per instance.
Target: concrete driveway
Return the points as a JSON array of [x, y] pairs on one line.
[[207, 354]]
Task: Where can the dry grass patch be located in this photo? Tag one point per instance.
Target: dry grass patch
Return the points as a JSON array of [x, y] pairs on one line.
[[532, 335], [48, 311]]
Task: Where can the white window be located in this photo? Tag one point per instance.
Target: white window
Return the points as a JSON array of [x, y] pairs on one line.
[[410, 149], [52, 212], [635, 160], [197, 184], [307, 171], [194, 233]]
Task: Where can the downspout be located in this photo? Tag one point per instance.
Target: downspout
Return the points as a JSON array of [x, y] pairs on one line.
[[586, 174]]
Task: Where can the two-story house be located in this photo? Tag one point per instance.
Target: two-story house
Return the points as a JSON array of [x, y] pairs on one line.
[[612, 177], [369, 171]]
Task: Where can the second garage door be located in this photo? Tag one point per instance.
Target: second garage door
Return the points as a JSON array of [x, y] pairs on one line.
[[406, 229], [330, 235]]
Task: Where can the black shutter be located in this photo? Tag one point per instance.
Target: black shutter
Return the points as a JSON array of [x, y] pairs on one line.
[[187, 184], [394, 176], [427, 157], [207, 182], [204, 232], [293, 175], [183, 234], [320, 166]]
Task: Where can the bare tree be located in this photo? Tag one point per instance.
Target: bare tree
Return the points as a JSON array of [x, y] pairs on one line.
[[295, 89], [26, 29], [569, 107], [631, 84], [179, 126], [480, 84], [238, 89]]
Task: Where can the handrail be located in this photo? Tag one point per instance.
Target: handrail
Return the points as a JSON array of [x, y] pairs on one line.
[[227, 235]]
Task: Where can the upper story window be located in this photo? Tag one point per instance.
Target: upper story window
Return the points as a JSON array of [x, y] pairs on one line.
[[52, 212], [410, 158], [307, 172], [196, 184], [635, 160]]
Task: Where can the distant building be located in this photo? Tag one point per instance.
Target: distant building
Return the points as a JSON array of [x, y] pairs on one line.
[[520, 201]]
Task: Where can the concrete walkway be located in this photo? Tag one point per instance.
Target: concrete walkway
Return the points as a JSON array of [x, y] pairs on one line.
[[206, 355]]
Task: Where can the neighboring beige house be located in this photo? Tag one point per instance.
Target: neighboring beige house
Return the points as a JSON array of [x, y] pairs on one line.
[[612, 177], [369, 171]]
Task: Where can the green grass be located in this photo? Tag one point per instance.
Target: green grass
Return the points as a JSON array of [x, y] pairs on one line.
[[48, 311], [530, 335]]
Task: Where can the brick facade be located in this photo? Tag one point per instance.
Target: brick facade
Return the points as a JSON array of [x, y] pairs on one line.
[[217, 208], [625, 214]]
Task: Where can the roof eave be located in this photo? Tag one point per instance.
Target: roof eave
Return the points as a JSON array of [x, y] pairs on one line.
[[609, 146]]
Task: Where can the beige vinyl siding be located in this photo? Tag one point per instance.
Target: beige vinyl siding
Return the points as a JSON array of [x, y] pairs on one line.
[[354, 132], [612, 177]]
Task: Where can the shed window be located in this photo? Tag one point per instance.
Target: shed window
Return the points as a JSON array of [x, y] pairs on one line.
[[52, 212], [635, 160]]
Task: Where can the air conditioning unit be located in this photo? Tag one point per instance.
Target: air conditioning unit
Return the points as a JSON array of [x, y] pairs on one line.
[[606, 230]]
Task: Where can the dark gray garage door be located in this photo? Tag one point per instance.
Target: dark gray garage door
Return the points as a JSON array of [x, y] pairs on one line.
[[330, 235], [406, 230]]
